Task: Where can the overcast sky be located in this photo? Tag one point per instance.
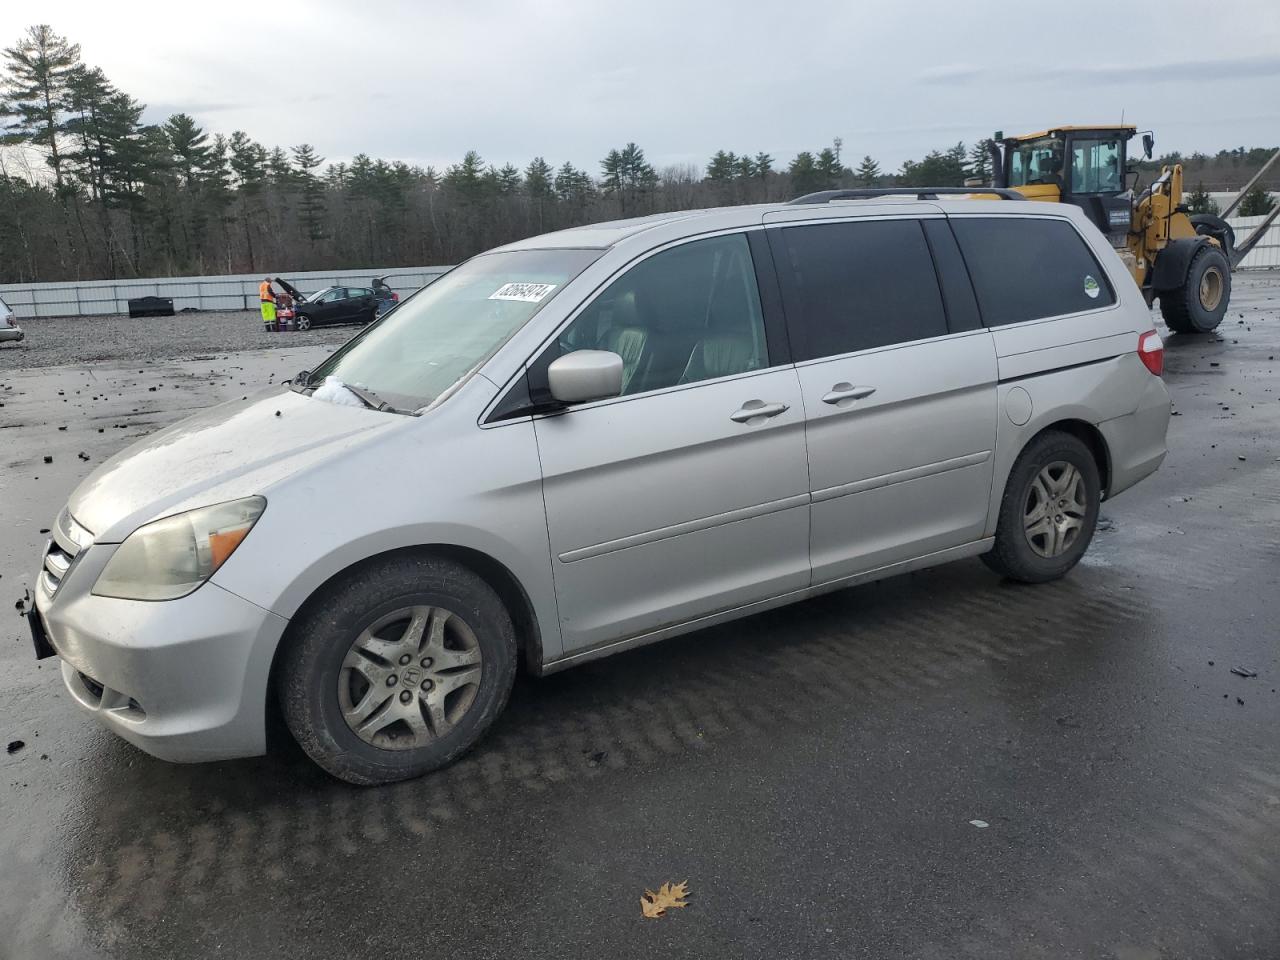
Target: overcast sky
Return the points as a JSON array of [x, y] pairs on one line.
[[569, 79]]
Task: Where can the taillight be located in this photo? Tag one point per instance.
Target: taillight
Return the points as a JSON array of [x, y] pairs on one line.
[[1151, 351]]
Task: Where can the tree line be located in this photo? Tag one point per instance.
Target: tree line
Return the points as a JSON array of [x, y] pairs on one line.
[[94, 192]]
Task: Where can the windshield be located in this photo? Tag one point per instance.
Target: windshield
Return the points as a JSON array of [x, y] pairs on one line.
[[433, 339], [1036, 161]]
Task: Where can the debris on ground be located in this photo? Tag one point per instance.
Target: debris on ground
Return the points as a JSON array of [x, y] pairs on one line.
[[669, 895], [48, 459], [16, 745], [980, 824], [1244, 672]]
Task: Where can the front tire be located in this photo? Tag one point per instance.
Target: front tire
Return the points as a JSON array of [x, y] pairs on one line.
[[1049, 510], [1199, 305], [304, 322], [398, 671]]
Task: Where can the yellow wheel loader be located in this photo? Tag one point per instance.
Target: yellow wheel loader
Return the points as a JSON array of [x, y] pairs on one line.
[[1183, 260]]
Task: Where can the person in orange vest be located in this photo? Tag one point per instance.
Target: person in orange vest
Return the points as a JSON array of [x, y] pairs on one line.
[[267, 300]]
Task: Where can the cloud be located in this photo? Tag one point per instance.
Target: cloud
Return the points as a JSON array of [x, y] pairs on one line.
[[1185, 71]]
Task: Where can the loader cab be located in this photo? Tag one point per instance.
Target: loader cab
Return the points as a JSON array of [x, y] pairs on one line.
[[1083, 166]]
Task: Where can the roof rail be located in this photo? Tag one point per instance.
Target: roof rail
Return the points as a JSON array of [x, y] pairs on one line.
[[921, 193]]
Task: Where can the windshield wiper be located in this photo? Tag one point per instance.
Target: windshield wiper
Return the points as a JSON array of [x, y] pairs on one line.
[[371, 399]]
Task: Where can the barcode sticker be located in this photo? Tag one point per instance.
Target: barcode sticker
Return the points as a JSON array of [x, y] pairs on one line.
[[528, 292]]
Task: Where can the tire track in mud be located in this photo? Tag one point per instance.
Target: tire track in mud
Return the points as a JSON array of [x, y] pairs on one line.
[[791, 667]]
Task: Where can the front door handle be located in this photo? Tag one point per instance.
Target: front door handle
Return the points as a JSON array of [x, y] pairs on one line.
[[757, 411], [843, 394]]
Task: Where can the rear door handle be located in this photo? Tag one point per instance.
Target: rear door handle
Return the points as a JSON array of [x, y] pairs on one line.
[[757, 411], [847, 392]]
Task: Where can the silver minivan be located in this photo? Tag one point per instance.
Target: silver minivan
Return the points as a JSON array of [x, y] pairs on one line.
[[595, 439]]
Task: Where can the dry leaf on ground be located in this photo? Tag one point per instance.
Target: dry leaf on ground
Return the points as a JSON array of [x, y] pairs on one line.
[[668, 895]]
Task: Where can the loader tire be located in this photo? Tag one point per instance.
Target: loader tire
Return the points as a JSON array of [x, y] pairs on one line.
[[1199, 305]]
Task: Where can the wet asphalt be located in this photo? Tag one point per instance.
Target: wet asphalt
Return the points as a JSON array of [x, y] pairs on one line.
[[814, 773]]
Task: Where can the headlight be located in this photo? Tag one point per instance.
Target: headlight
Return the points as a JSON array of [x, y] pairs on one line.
[[169, 558]]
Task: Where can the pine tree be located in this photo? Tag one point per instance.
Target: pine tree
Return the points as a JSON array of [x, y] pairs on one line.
[[805, 175], [829, 169], [628, 175], [467, 178], [980, 160], [1199, 201], [763, 165], [508, 180], [722, 168], [1257, 203], [36, 91], [306, 162], [190, 147], [868, 172], [537, 180]]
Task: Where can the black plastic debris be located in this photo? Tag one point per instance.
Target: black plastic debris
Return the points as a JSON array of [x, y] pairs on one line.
[[16, 745], [82, 455], [48, 459]]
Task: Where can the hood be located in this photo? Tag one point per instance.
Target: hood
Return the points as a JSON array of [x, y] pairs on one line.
[[289, 288], [233, 450]]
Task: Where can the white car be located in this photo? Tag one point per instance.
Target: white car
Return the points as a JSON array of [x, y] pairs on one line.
[[9, 329]]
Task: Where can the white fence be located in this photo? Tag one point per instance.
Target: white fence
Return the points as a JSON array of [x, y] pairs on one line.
[[1264, 256], [86, 298], [100, 297]]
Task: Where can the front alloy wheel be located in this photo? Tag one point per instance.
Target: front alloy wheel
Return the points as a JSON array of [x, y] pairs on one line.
[[410, 677], [396, 668]]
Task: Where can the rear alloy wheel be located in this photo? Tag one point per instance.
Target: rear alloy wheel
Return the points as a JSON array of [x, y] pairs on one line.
[[1201, 303], [304, 322], [1049, 510], [398, 670]]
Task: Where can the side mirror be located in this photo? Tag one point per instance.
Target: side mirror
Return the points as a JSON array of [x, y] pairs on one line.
[[1148, 142], [585, 375]]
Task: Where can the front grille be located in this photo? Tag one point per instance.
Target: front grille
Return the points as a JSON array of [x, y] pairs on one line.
[[69, 539]]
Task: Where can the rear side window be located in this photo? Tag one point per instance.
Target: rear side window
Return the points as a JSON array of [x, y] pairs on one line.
[[854, 286], [1026, 268]]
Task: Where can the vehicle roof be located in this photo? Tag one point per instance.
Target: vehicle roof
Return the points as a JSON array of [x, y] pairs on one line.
[[663, 227], [1075, 127]]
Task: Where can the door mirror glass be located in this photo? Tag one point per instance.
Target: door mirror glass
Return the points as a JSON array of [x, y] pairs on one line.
[[585, 375], [1148, 143]]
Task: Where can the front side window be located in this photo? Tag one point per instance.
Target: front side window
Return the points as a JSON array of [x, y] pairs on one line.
[[1028, 268], [433, 339], [1095, 166], [1036, 162], [686, 314], [854, 286]]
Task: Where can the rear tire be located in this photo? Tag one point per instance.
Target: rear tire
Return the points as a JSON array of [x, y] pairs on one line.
[[1201, 303], [372, 702], [1049, 510]]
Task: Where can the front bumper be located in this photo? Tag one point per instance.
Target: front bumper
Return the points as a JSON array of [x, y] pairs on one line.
[[11, 334], [183, 680]]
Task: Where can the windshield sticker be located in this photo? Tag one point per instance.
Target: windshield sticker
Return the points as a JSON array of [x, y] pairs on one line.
[[1091, 288], [528, 292]]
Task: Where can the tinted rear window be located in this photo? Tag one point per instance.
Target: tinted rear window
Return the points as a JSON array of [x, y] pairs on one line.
[[853, 286], [1028, 268]]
